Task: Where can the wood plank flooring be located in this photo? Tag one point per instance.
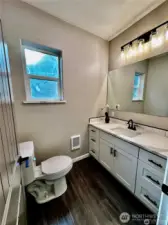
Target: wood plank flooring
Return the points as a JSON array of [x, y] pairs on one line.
[[93, 197]]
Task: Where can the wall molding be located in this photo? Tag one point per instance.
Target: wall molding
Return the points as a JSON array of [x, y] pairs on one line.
[[81, 157]]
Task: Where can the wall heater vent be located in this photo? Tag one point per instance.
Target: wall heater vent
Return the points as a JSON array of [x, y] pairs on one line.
[[75, 142]]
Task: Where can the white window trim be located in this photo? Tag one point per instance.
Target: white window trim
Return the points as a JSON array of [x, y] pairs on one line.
[[27, 78]]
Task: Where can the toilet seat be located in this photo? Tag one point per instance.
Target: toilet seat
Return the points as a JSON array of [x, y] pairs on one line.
[[56, 167]]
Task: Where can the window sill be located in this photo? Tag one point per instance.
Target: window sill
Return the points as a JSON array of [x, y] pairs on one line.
[[137, 100], [44, 102]]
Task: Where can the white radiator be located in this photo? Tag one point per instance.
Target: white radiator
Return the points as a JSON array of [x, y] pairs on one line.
[[75, 142]]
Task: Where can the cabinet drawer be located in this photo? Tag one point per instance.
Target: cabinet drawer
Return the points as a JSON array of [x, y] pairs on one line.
[[107, 137], [93, 148], [148, 185], [152, 160], [149, 177], [93, 132], [150, 199], [121, 144], [94, 142]]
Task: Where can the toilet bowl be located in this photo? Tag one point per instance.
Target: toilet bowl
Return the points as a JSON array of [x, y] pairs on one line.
[[46, 181]]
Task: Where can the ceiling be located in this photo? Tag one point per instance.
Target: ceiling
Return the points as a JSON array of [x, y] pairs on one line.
[[104, 18]]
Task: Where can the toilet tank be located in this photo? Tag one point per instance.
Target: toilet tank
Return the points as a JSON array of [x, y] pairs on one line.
[[26, 151]]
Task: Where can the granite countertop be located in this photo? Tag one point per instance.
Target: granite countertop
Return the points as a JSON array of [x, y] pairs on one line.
[[145, 139]]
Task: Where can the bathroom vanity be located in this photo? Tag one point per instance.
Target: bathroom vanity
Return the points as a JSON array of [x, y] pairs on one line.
[[136, 158]]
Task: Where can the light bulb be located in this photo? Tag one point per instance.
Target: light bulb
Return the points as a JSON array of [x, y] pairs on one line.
[[156, 40], [153, 40], [122, 54], [130, 51], [140, 47], [134, 50], [166, 35], [160, 40], [146, 47]]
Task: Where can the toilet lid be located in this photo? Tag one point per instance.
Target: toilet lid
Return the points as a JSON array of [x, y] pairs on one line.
[[56, 164]]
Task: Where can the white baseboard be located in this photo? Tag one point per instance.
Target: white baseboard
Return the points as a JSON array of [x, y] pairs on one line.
[[81, 157]]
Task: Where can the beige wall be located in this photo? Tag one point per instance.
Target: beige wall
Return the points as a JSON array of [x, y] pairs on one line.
[[156, 101], [153, 19], [1, 5], [85, 65], [120, 87]]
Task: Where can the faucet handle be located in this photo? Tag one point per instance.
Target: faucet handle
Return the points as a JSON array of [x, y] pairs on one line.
[[135, 126]]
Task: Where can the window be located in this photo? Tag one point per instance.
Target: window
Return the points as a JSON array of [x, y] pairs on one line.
[[42, 73], [138, 89]]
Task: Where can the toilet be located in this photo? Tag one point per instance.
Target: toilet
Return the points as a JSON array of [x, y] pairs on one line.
[[46, 181]]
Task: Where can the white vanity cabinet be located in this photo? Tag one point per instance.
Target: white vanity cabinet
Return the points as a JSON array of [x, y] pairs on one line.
[[138, 170]]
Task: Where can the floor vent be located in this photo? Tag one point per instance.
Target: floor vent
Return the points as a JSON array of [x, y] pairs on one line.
[[75, 142]]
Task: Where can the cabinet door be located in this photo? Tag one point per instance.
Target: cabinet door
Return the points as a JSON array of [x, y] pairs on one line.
[[93, 148], [106, 155], [125, 166]]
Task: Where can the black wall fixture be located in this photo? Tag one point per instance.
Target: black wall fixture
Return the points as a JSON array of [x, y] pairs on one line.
[[145, 36]]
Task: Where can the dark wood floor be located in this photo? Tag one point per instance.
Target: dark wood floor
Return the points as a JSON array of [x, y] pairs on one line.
[[93, 197]]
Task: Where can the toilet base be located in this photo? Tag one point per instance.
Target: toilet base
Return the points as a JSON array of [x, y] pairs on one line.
[[60, 186], [45, 191]]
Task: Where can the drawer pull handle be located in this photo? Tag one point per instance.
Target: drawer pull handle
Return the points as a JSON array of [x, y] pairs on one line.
[[149, 199], [155, 181], [111, 151], [156, 164], [93, 151], [93, 131], [93, 140], [115, 153]]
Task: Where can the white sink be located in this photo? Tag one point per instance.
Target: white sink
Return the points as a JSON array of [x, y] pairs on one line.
[[110, 126], [125, 132], [115, 126]]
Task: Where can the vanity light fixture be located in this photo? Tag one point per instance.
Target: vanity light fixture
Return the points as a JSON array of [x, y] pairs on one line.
[[141, 46], [146, 47], [122, 54], [156, 39], [134, 49], [130, 51], [151, 39], [166, 35]]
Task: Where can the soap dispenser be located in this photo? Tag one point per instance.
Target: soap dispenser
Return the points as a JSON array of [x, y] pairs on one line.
[[107, 118]]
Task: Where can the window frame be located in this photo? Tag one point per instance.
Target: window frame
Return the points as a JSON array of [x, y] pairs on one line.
[[46, 50], [143, 75]]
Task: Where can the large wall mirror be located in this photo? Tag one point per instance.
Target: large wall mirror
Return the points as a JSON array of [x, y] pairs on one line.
[[141, 87]]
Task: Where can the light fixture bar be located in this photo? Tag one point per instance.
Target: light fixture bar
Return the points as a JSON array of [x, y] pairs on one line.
[[144, 36]]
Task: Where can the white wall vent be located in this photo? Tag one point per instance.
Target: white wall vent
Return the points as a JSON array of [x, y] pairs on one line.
[[75, 142]]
